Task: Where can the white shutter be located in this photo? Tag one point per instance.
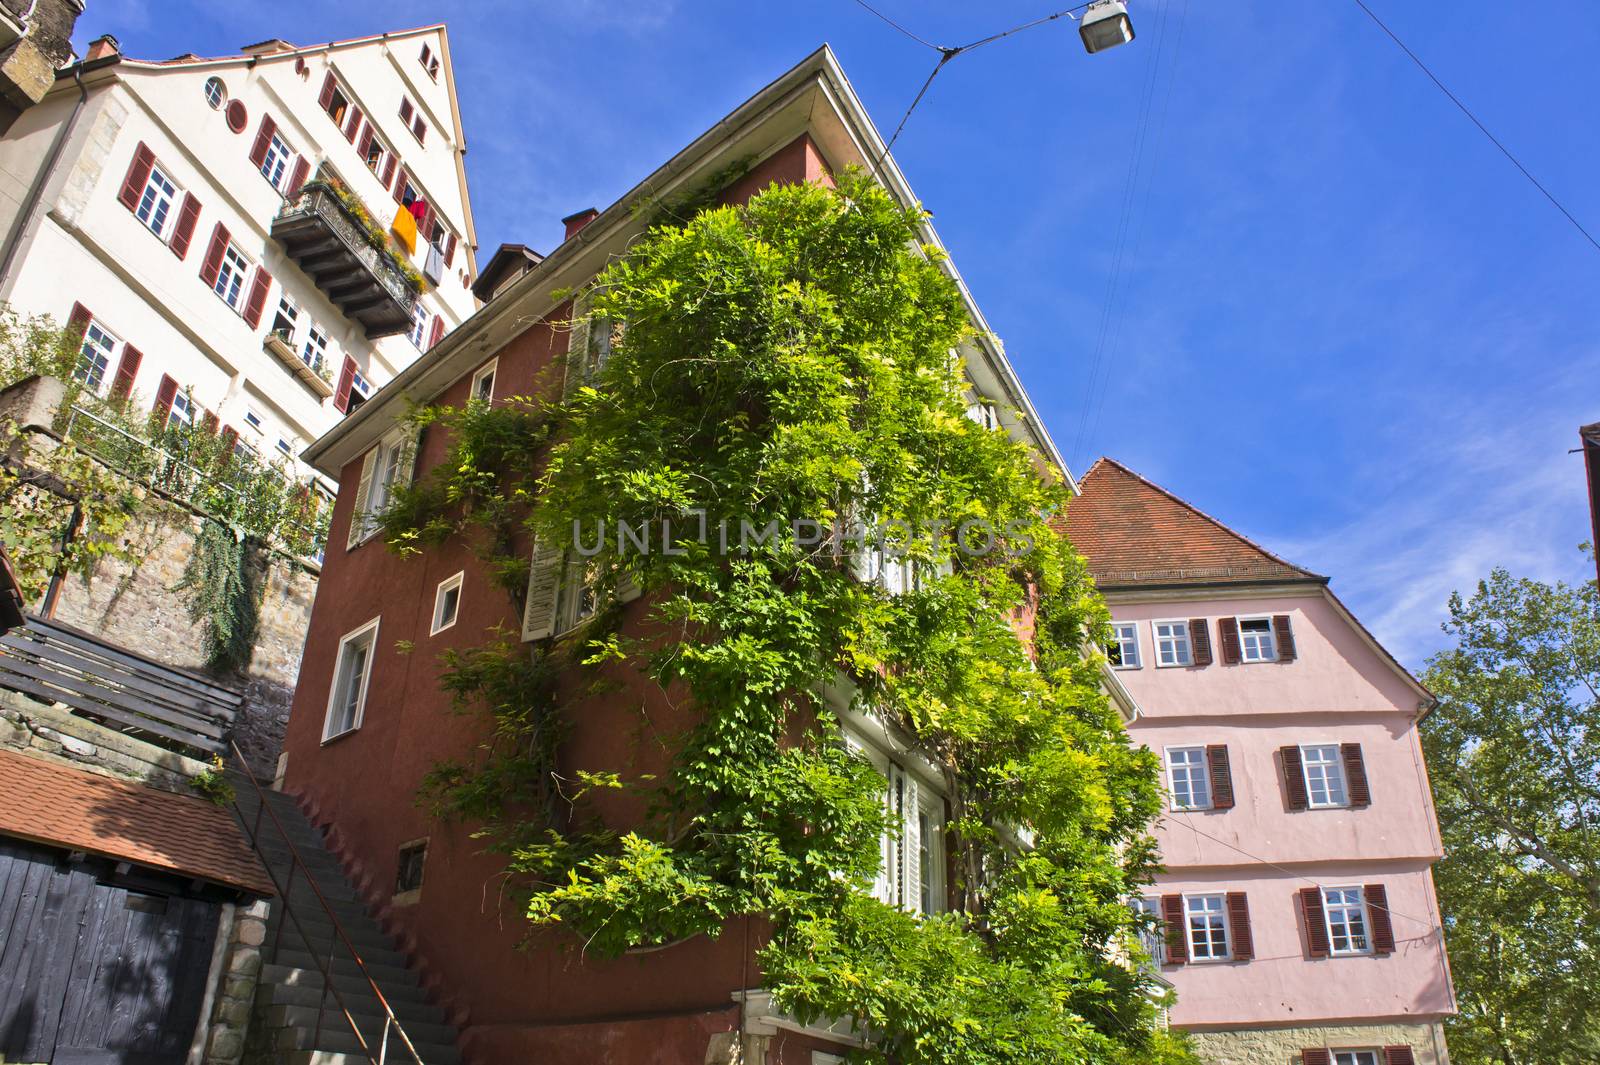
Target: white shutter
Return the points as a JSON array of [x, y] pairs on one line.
[[627, 588], [406, 467], [577, 346], [358, 513], [544, 581], [912, 847]]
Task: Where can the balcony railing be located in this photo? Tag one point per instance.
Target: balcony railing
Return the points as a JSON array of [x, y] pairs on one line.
[[339, 251]]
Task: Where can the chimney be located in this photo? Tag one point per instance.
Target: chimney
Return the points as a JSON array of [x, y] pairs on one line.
[[575, 222], [103, 46]]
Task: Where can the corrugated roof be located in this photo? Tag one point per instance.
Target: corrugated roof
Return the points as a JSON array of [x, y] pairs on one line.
[[1134, 532], [50, 803]]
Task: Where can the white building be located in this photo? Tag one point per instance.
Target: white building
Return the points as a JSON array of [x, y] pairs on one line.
[[174, 210]]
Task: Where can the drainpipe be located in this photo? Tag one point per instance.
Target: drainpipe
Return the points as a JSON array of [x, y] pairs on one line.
[[47, 609], [46, 172]]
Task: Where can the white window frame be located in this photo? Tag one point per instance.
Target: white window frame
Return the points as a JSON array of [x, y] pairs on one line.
[[368, 634], [1174, 644], [158, 203], [278, 163], [387, 457], [421, 319], [984, 414], [239, 295], [1255, 642], [95, 377], [314, 351], [1344, 906], [220, 97], [1122, 634], [1364, 1056], [440, 597], [1220, 913], [1330, 776], [901, 781], [183, 409], [577, 598], [385, 153], [285, 447], [429, 61], [1150, 937], [1194, 771], [252, 419], [477, 387]]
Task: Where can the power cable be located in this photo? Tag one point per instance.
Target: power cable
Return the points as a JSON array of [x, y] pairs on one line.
[[1475, 121]]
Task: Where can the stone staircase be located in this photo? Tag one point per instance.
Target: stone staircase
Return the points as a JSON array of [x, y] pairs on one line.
[[285, 1029]]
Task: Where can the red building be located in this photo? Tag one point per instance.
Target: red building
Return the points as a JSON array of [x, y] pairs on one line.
[[369, 721]]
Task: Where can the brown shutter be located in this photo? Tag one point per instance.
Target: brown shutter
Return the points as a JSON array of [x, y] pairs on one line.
[[1285, 637], [1173, 929], [450, 254], [1228, 633], [165, 394], [326, 99], [1398, 1056], [127, 370], [1377, 900], [341, 395], [1221, 776], [1294, 778], [405, 110], [78, 324], [437, 332], [301, 169], [258, 297], [1199, 631], [388, 169], [354, 125], [212, 265], [1316, 922], [364, 143], [420, 128], [1316, 1056], [188, 215], [1355, 775], [1243, 944], [230, 438], [400, 186], [210, 422], [258, 151], [138, 175]]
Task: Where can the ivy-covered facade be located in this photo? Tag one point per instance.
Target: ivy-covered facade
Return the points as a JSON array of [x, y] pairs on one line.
[[692, 763]]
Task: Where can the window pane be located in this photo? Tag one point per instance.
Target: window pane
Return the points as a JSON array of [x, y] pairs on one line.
[[1191, 780], [1324, 771]]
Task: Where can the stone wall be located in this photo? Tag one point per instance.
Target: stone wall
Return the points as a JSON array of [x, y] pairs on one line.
[[56, 734], [228, 1027], [1282, 1046], [28, 67]]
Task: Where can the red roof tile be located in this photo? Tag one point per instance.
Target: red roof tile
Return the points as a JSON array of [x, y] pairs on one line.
[[1134, 532], [55, 804]]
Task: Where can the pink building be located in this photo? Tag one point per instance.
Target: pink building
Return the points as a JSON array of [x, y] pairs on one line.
[[1298, 909]]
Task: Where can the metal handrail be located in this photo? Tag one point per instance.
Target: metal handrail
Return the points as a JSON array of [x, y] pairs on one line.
[[390, 1022]]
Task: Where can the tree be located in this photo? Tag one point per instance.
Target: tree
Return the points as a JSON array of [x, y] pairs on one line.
[[1514, 750]]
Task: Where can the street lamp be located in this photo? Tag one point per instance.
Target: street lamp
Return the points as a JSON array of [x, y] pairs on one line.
[[1105, 25]]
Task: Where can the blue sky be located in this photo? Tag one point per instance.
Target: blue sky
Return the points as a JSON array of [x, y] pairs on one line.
[[1323, 309]]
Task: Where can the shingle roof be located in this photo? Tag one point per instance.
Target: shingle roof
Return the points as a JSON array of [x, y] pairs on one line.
[[1134, 533], [50, 803]]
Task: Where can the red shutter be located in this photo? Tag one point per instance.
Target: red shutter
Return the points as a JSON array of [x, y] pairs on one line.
[[188, 215], [1285, 635], [1316, 922], [210, 422], [352, 127], [1173, 929], [1228, 631], [388, 169], [436, 332], [258, 151], [127, 370], [326, 99], [449, 257], [298, 178], [230, 438], [258, 297], [420, 128], [1221, 776], [1377, 900], [78, 324], [341, 395], [213, 260], [405, 110], [1199, 633], [1355, 775], [1243, 945], [138, 175], [400, 186], [1398, 1056], [165, 394], [364, 143], [1316, 1056], [1294, 778]]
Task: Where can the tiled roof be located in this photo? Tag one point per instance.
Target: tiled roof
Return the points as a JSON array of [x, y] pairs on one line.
[[1134, 533], [50, 803]]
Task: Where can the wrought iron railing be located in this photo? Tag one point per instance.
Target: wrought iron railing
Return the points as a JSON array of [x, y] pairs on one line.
[[319, 199]]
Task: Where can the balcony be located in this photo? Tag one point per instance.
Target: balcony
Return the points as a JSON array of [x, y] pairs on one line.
[[349, 258], [279, 345]]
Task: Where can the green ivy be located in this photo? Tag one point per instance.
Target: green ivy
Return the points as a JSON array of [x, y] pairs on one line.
[[792, 359]]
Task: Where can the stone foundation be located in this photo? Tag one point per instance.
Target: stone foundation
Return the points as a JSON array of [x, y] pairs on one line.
[[229, 1025], [1282, 1046]]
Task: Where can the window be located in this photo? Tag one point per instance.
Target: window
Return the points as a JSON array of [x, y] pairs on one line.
[[216, 93], [1124, 648], [94, 358], [1150, 928], [1208, 927], [385, 467], [315, 352], [1356, 1057], [483, 383], [1188, 778], [275, 166], [413, 119], [430, 62], [347, 700], [230, 276], [984, 414], [335, 102], [578, 598], [1347, 920], [912, 874], [446, 603], [252, 419], [408, 192], [156, 203], [419, 326], [359, 384], [183, 409], [377, 156], [408, 870], [1324, 769], [286, 447], [286, 323], [1255, 640], [1172, 643]]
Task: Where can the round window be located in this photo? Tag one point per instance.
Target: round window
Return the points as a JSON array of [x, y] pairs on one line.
[[216, 93], [237, 116]]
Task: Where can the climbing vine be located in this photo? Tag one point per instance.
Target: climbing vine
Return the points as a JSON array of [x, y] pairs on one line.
[[788, 365]]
